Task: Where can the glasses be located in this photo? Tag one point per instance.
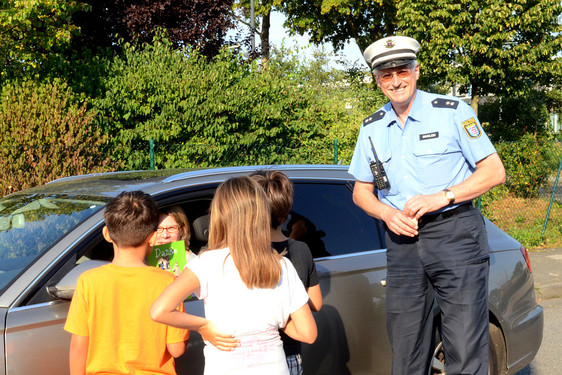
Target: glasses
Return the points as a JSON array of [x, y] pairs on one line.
[[389, 76], [171, 229]]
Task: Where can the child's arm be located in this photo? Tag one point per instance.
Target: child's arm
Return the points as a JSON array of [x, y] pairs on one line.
[[78, 354], [301, 325], [314, 297], [164, 310], [220, 340], [177, 348]]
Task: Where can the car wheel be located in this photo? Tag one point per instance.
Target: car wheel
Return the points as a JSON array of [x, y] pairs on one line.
[[498, 353], [498, 356]]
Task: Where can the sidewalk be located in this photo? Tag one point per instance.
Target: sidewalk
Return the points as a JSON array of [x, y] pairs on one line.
[[546, 265]]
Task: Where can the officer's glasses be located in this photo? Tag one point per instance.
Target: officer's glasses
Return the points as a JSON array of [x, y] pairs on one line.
[[389, 76], [172, 229]]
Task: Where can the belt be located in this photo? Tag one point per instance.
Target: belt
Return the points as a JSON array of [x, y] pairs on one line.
[[426, 219]]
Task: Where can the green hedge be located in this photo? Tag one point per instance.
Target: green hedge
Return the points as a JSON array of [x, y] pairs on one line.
[[529, 162], [45, 133]]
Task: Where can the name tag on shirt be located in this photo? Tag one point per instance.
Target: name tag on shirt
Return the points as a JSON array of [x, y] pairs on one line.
[[425, 136]]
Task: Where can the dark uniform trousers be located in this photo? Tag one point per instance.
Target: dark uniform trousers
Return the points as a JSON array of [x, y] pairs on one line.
[[448, 262]]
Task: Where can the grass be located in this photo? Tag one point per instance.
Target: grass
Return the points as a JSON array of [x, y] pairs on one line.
[[523, 219]]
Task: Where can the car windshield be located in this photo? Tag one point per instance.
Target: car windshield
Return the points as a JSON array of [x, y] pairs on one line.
[[31, 224]]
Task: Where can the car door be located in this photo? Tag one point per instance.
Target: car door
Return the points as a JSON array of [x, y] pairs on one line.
[[348, 247], [35, 341], [34, 336]]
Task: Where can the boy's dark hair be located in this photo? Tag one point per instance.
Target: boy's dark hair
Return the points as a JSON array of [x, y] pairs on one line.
[[279, 191], [131, 217]]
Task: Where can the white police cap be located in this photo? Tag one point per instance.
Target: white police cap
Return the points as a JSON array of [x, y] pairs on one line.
[[391, 52]]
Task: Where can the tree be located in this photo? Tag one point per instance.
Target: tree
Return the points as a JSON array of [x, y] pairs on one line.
[[33, 34], [196, 23], [510, 118], [263, 9], [338, 21], [488, 47], [333, 21], [344, 97]]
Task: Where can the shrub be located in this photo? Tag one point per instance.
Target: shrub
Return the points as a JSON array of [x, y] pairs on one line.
[[346, 97], [227, 111], [528, 162], [45, 134], [212, 112]]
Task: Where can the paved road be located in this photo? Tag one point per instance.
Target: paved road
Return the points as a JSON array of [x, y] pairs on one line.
[[548, 360], [547, 273]]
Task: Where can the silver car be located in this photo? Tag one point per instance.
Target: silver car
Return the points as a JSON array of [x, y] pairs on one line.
[[52, 233]]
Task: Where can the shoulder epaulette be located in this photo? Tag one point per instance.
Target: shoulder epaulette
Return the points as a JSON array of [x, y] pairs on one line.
[[445, 103], [374, 117]]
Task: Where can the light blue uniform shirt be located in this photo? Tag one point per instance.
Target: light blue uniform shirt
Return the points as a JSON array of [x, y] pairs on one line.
[[437, 148]]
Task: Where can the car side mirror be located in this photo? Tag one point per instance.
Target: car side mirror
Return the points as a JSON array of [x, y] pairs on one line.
[[64, 289]]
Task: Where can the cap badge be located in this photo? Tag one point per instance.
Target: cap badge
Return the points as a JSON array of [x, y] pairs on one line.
[[389, 44]]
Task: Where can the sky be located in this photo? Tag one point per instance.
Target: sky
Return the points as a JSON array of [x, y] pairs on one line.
[[278, 36]]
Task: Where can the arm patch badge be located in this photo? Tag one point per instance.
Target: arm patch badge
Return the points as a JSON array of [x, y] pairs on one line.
[[471, 128]]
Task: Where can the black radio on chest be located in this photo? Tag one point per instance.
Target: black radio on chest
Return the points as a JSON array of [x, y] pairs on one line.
[[381, 181]]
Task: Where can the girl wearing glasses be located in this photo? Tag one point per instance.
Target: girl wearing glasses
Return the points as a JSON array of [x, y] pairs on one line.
[[173, 227]]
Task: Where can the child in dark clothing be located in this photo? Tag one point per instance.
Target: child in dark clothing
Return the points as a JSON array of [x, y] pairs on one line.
[[279, 191]]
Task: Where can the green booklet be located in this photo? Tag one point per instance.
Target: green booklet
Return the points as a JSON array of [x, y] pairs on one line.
[[169, 257]]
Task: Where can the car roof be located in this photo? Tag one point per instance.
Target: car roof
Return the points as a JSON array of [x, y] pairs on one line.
[[110, 184]]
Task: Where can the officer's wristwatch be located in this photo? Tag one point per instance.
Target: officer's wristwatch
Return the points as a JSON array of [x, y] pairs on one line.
[[450, 196]]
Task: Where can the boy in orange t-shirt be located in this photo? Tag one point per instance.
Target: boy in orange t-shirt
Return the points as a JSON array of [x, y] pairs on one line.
[[112, 331]]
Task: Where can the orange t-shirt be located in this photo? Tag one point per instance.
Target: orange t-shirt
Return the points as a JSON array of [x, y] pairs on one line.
[[111, 306]]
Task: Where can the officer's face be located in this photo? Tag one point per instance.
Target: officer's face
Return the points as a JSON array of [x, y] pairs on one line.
[[398, 84]]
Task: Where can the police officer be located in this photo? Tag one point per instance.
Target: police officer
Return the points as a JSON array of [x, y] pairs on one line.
[[437, 159]]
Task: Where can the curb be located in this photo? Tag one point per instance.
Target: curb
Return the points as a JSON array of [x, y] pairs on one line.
[[546, 265]]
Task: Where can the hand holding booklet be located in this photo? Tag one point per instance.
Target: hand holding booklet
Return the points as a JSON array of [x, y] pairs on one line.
[[169, 257]]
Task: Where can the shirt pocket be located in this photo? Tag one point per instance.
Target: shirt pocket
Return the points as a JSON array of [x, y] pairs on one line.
[[433, 163]]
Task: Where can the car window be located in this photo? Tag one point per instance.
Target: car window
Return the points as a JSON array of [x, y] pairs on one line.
[[325, 217], [31, 224], [95, 247]]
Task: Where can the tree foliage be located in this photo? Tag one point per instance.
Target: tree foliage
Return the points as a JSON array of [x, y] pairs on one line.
[[339, 21], [226, 111], [33, 34], [45, 133], [488, 46], [195, 23], [509, 118]]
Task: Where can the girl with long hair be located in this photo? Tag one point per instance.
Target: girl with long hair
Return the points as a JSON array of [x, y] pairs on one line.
[[250, 291]]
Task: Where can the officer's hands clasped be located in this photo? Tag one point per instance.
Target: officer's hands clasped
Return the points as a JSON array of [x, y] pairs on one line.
[[405, 223], [419, 205], [399, 223]]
